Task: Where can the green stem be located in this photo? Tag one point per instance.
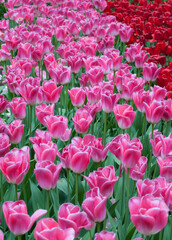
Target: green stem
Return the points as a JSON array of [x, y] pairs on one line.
[[16, 198], [147, 237], [24, 190], [152, 130], [161, 235], [98, 227], [143, 125], [20, 237], [123, 131], [171, 224], [66, 95], [76, 189], [105, 124], [68, 197], [30, 120], [1, 185], [90, 234], [48, 202], [127, 199], [122, 192], [167, 128], [39, 64]]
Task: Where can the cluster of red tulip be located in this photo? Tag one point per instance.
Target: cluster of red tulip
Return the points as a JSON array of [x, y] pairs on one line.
[[83, 126], [152, 27]]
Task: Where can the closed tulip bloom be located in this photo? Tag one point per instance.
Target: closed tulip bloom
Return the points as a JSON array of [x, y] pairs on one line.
[[3, 103], [165, 166], [167, 115], [124, 115], [61, 33], [12, 42], [141, 97], [40, 137], [4, 53], [61, 74], [51, 91], [47, 174], [45, 151], [4, 144], [154, 111], [139, 169], [125, 33], [77, 96], [140, 59], [148, 214], [105, 63], [15, 131], [95, 75], [93, 94], [95, 205], [18, 108], [109, 100], [48, 229], [24, 50], [70, 216], [17, 218], [82, 120], [15, 164], [104, 179], [150, 71], [75, 63], [105, 235], [42, 111], [56, 125]]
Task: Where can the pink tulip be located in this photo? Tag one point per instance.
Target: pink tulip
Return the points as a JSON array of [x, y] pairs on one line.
[[101, 5], [51, 91], [105, 63], [45, 151], [4, 53], [12, 42], [154, 111], [158, 93], [82, 120], [70, 216], [75, 158], [109, 100], [141, 97], [155, 187], [77, 96], [93, 109], [161, 145], [113, 29], [17, 218], [165, 166], [95, 75], [24, 50], [61, 33], [167, 115], [42, 111], [40, 137], [139, 169], [150, 71], [95, 205], [148, 214], [47, 174], [15, 131], [3, 103], [125, 33], [104, 179], [4, 144], [124, 115], [140, 59], [132, 51], [114, 55], [56, 125], [105, 235], [93, 94], [18, 108], [75, 63], [14, 77], [84, 79], [15, 164], [48, 229], [61, 74]]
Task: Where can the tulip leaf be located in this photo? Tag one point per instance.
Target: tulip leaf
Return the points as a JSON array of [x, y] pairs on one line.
[[36, 197]]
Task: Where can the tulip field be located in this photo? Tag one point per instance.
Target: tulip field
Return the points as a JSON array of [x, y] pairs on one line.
[[85, 120]]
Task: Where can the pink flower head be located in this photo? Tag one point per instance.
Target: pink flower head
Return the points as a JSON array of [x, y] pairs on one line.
[[61, 33], [75, 63], [154, 111], [139, 169], [109, 100], [57, 125], [165, 166], [4, 53], [15, 164], [1, 235], [140, 59], [93, 94], [77, 96], [15, 131], [124, 115], [105, 64], [167, 115], [4, 144], [51, 91], [60, 74], [24, 50], [70, 216], [105, 235], [125, 33], [18, 108], [17, 218], [95, 205], [3, 103], [47, 174], [42, 111], [48, 229], [95, 75], [141, 97], [82, 120], [45, 151], [104, 179], [148, 214], [40, 137], [114, 55], [150, 71]]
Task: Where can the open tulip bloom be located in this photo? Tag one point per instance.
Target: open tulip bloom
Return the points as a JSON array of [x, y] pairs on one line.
[[86, 119]]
